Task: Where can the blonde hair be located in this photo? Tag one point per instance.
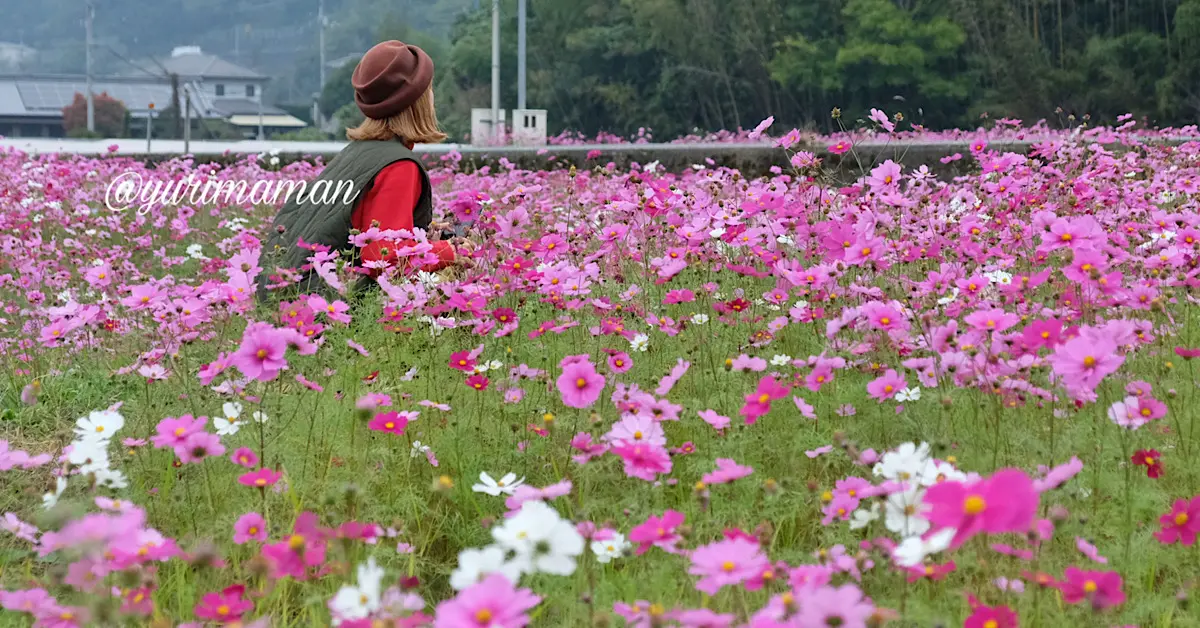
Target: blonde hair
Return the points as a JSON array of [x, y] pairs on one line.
[[417, 125]]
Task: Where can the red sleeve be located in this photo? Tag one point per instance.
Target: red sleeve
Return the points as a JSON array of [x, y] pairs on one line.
[[390, 202]]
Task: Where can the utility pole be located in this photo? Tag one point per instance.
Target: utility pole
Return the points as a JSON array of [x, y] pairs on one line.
[[91, 100], [187, 120], [261, 135], [520, 54], [321, 29], [497, 129]]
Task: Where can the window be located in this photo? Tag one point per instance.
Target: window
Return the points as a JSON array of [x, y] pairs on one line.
[[220, 89], [530, 121], [249, 91]]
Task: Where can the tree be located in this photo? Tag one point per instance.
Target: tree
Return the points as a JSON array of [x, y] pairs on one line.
[[109, 115]]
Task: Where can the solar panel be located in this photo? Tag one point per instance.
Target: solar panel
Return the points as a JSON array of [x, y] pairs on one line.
[[54, 95]]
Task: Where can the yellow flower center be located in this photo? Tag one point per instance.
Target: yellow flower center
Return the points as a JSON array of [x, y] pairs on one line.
[[581, 383], [389, 425], [763, 398], [888, 388], [885, 320], [1090, 586], [727, 566], [1089, 361], [296, 542], [991, 623], [483, 616], [260, 482], [974, 505], [223, 610], [261, 353], [179, 431], [1181, 518], [637, 435]]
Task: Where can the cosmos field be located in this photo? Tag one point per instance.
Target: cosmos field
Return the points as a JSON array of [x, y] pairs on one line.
[[651, 399]]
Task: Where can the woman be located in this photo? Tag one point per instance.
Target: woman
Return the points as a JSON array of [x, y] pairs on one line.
[[393, 89]]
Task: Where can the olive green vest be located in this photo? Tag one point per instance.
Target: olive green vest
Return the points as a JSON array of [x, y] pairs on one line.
[[327, 220]]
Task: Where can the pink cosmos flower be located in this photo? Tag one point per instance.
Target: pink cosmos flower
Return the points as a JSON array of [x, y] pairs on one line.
[[637, 429], [1005, 502], [244, 457], [620, 362], [805, 409], [745, 363], [261, 478], [657, 532], [580, 385], [526, 493], [886, 386], [198, 446], [260, 355], [250, 527], [583, 442], [491, 603], [227, 606], [833, 606], [1181, 524], [643, 461], [478, 382], [727, 562], [391, 422], [174, 432], [992, 321], [711, 417], [462, 361], [1101, 588], [727, 471], [1083, 362]]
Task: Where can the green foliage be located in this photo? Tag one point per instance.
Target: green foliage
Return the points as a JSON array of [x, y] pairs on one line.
[[309, 134]]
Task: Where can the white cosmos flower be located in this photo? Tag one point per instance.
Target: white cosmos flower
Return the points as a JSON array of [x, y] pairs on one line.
[[259, 417], [941, 472], [542, 541], [507, 484], [716, 233], [909, 394], [640, 342], [89, 453], [913, 550], [612, 548], [476, 564], [699, 319], [231, 410], [357, 602], [906, 462], [999, 277], [196, 251], [863, 517], [781, 360], [417, 449], [99, 425], [226, 427], [949, 299], [110, 478], [903, 513], [50, 500]]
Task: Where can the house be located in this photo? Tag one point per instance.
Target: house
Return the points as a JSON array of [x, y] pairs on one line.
[[222, 89], [31, 105]]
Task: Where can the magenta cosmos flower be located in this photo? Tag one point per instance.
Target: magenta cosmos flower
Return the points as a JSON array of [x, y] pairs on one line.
[[758, 403], [643, 460], [833, 606], [991, 617], [657, 531], [1005, 502], [1101, 588], [1084, 362], [226, 606], [580, 385], [390, 422], [260, 356], [262, 478], [492, 602], [295, 554], [1181, 524], [244, 457]]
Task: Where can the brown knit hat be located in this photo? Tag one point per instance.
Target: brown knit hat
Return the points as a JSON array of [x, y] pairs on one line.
[[390, 78]]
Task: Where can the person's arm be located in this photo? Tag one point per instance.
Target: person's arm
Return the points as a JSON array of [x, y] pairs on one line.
[[390, 202]]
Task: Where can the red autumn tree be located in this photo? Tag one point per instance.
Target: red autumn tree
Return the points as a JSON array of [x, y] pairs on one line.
[[110, 115]]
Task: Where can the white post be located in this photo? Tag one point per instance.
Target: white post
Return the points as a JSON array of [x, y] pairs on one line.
[[149, 126], [187, 120], [521, 54], [321, 28], [497, 128], [261, 135], [91, 103]]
